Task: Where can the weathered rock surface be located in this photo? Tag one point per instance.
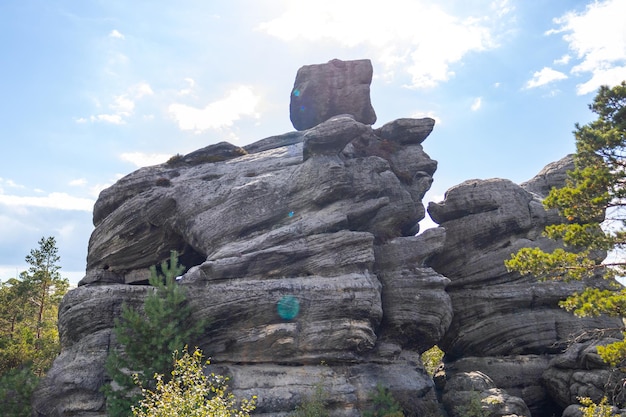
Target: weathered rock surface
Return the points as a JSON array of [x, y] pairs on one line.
[[325, 90], [552, 175], [509, 320], [324, 216], [328, 216], [469, 393], [580, 372]]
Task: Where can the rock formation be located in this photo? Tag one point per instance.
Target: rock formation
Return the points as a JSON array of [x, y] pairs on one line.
[[326, 90], [506, 326], [326, 217]]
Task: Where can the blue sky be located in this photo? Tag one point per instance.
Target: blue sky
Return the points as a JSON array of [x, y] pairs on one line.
[[92, 90]]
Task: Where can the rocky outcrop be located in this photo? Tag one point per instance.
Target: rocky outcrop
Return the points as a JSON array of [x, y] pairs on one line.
[[325, 217], [505, 325], [474, 393], [325, 90], [303, 256]]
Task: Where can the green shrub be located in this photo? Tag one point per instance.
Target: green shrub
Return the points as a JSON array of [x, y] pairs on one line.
[[147, 339], [176, 159], [591, 409], [384, 405], [432, 359], [190, 392], [16, 390], [314, 405], [474, 408]]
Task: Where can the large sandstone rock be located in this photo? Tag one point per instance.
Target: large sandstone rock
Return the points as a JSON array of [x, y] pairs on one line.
[[325, 220], [580, 372], [474, 393], [325, 90], [509, 320], [324, 217]]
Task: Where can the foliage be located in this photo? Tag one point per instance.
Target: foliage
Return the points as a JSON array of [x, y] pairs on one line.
[[29, 339], [593, 204], [384, 405], [314, 405], [147, 338], [189, 392], [591, 409], [29, 309], [432, 359], [474, 408], [178, 158], [16, 388]]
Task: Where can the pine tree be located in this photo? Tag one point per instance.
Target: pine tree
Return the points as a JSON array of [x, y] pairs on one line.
[[147, 338], [592, 204], [29, 339]]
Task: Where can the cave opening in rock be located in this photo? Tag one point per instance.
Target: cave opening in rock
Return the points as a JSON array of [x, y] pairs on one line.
[[188, 257]]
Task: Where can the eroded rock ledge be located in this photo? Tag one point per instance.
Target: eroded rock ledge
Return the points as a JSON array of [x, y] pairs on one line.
[[329, 215]]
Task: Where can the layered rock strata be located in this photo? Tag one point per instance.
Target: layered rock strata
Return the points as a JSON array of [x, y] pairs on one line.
[[505, 325], [325, 217], [324, 220]]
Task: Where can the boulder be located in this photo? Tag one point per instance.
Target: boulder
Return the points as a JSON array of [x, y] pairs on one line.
[[406, 130], [580, 372], [474, 393], [325, 90]]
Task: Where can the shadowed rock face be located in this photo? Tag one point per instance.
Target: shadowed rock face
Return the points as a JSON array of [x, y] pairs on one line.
[[325, 90]]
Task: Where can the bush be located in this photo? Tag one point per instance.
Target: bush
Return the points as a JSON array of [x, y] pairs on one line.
[[591, 409], [147, 339], [16, 390], [384, 405], [474, 408], [314, 405], [176, 159], [190, 392], [432, 359]]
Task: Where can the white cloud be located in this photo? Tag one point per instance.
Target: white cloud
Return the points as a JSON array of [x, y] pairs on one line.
[[609, 76], [140, 90], [10, 183], [597, 36], [123, 105], [190, 85], [545, 76], [116, 34], [79, 182], [140, 159], [564, 60], [239, 102], [478, 101], [418, 37], [115, 119], [58, 201]]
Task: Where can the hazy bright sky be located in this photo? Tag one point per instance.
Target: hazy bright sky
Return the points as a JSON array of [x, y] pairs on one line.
[[93, 89]]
